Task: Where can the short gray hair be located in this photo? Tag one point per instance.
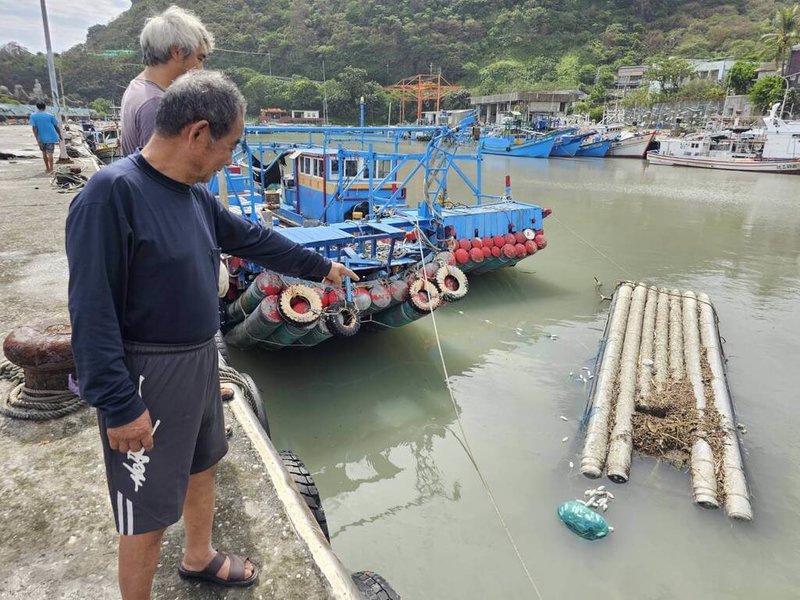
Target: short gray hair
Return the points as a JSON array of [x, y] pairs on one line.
[[174, 28], [200, 96]]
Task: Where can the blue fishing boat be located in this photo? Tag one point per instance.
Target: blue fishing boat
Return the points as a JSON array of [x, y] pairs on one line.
[[352, 205], [515, 140], [596, 148], [568, 143]]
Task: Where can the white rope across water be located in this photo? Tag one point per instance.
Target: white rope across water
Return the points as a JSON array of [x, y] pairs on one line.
[[465, 443]]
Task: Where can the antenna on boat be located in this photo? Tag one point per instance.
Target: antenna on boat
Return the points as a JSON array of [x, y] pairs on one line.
[[324, 94]]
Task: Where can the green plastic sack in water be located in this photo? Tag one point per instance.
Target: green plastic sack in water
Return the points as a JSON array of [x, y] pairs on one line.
[[587, 523]]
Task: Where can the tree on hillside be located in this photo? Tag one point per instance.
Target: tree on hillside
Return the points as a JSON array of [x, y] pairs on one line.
[[766, 92], [785, 34], [741, 77], [101, 106], [670, 73]]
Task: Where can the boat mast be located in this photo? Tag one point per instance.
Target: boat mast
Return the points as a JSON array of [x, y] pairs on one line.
[[51, 68]]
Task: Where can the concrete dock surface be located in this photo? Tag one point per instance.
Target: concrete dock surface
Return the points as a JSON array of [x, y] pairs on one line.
[[57, 538]]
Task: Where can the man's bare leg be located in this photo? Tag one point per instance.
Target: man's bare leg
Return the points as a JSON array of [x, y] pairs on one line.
[[198, 520], [46, 162], [138, 558]]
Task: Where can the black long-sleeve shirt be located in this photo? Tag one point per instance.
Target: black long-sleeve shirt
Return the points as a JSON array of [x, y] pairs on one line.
[[143, 254]]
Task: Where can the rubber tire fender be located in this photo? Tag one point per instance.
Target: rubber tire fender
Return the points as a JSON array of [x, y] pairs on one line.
[[307, 488], [374, 587], [222, 347], [441, 278], [309, 295], [343, 320], [259, 408], [434, 297]]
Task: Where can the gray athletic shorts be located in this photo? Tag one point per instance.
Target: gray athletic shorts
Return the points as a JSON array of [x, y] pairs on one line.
[[180, 387]]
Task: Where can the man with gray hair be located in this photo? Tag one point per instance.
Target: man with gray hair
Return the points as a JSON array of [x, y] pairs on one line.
[[172, 44], [143, 242]]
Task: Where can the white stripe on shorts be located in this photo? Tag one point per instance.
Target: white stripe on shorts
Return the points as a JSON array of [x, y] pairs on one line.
[[130, 517], [120, 522]]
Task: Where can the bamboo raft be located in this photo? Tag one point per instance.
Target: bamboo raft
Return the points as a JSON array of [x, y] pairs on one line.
[[661, 390]]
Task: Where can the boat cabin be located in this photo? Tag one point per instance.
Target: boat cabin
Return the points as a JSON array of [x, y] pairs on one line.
[[321, 186]]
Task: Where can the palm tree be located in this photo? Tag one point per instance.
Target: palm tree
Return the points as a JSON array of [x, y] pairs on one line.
[[785, 34]]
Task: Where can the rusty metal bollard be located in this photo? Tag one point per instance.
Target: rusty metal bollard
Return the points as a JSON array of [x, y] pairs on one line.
[[44, 352]]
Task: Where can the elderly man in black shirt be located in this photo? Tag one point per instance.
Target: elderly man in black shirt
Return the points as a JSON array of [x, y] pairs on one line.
[[143, 242]]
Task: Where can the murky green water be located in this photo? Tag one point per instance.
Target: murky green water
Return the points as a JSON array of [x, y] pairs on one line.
[[373, 421]]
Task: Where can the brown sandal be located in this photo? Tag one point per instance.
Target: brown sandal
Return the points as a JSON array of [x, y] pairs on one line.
[[235, 571]]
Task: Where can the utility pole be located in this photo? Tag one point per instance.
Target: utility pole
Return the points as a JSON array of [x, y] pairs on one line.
[[51, 68]]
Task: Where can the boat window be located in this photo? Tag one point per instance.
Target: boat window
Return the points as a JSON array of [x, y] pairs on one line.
[[382, 168], [317, 167], [334, 166], [350, 168], [367, 166]]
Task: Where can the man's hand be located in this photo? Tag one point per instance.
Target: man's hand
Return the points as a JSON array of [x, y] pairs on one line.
[[337, 272], [134, 436]]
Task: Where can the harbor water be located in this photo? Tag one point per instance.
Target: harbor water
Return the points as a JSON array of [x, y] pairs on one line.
[[373, 420]]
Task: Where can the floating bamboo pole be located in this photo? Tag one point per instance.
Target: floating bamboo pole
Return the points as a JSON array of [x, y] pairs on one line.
[[737, 498], [596, 445], [646, 355], [676, 325], [661, 358], [704, 480], [620, 448]]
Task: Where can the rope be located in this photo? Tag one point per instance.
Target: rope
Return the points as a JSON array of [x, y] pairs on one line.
[[22, 402], [230, 375], [466, 446]]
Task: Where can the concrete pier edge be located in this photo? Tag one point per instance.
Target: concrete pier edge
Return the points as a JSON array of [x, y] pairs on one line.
[[303, 522]]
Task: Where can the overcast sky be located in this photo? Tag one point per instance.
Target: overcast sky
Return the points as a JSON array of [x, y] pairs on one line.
[[21, 21]]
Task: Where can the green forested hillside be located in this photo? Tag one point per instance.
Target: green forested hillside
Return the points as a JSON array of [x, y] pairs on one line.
[[486, 45]]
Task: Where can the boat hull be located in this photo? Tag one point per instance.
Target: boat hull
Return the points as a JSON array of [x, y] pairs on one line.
[[567, 147], [632, 147], [532, 149], [594, 149], [752, 165]]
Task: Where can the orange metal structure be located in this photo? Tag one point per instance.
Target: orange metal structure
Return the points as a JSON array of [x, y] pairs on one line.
[[421, 88]]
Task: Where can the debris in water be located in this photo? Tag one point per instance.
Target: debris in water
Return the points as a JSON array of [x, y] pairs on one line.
[[564, 439], [583, 521], [647, 362], [571, 464], [563, 418], [553, 336]]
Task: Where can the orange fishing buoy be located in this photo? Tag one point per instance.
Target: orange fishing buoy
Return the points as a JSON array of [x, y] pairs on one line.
[[521, 252], [519, 237], [510, 239], [476, 255], [509, 251], [336, 295], [540, 239], [488, 242], [496, 251], [530, 247], [462, 256], [269, 282], [487, 252], [465, 244], [477, 243], [499, 241]]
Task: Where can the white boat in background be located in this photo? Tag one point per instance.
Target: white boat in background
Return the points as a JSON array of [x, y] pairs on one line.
[[775, 149], [631, 145]]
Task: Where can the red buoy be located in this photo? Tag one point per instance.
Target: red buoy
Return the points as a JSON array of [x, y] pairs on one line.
[[399, 290], [462, 256], [519, 237], [540, 240], [499, 241], [488, 242], [269, 282], [477, 243], [530, 247], [510, 239], [411, 236], [381, 298], [321, 293], [269, 309], [336, 295], [476, 255], [496, 251], [465, 244], [509, 251], [487, 252], [521, 252], [362, 298]]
